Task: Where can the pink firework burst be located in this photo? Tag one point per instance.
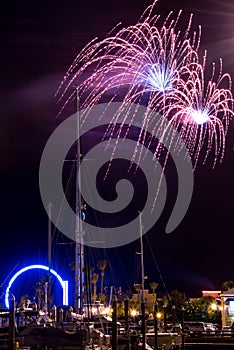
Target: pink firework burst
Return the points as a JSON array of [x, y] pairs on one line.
[[144, 61], [156, 64], [201, 110]]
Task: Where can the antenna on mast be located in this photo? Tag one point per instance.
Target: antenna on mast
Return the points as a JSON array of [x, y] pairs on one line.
[[79, 242]]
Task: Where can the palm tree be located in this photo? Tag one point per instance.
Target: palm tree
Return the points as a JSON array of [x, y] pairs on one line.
[[94, 279], [138, 288], [24, 301], [227, 285], [39, 295], [102, 265], [153, 286]]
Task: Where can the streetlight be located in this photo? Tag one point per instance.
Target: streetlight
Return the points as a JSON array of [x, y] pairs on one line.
[[159, 315], [133, 313], [214, 307], [107, 311]]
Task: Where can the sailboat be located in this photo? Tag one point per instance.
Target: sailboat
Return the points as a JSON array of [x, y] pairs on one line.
[[154, 339]]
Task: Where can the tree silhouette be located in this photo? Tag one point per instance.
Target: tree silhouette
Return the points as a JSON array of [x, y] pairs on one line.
[[102, 265], [153, 286], [227, 285], [94, 279], [138, 288]]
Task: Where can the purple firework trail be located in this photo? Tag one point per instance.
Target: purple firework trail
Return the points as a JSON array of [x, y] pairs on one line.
[[156, 64]]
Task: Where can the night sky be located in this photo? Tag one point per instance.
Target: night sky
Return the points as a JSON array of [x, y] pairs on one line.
[[39, 41]]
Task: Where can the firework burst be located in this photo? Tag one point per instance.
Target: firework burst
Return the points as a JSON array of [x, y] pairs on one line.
[[155, 64], [144, 59], [201, 110]]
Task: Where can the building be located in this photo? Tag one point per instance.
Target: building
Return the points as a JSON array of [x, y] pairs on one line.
[[149, 298], [227, 307], [211, 293]]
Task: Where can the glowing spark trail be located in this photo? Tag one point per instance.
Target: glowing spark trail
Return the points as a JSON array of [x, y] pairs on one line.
[[201, 111], [139, 61], [155, 64]]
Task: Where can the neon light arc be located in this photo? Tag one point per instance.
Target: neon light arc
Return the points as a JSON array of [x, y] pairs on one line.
[[64, 284]]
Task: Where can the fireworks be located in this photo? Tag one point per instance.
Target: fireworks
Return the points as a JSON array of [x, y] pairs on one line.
[[201, 111], [156, 64], [166, 104]]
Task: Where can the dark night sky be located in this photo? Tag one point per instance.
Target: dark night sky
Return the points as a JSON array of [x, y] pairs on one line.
[[39, 40]]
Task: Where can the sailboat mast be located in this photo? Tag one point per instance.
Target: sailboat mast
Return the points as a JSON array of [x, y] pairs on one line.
[[142, 258], [143, 326], [79, 246], [48, 286], [49, 234]]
